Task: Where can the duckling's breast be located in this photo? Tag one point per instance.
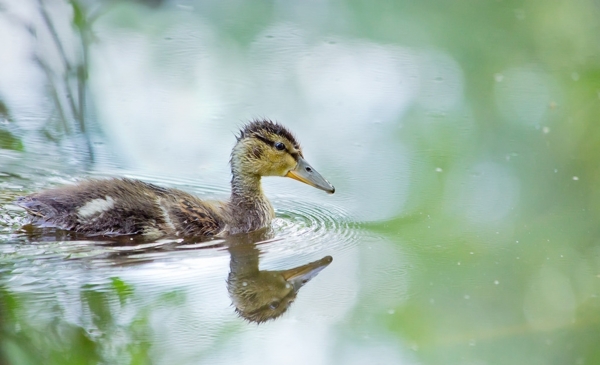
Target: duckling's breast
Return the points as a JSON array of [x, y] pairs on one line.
[[249, 215]]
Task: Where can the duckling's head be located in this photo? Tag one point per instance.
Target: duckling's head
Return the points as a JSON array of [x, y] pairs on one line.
[[266, 148], [263, 295]]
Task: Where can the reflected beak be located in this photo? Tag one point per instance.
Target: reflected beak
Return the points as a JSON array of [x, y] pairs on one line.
[[301, 275], [305, 173]]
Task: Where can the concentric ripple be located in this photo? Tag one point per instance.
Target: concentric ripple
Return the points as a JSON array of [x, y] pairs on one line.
[[307, 226]]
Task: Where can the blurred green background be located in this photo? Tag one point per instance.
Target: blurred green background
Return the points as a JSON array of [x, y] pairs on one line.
[[462, 137]]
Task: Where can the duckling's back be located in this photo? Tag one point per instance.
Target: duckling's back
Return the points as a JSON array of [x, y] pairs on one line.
[[121, 207]]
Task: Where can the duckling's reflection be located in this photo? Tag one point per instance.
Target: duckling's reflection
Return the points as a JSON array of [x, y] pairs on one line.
[[259, 296]]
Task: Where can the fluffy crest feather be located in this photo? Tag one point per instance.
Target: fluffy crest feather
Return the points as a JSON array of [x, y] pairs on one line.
[[264, 127]]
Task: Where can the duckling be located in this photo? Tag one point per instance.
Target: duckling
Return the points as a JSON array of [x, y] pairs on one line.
[[259, 296], [131, 207]]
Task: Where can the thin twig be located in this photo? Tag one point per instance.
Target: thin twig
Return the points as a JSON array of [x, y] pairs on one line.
[[54, 35], [63, 56], [82, 77], [77, 108], [54, 92]]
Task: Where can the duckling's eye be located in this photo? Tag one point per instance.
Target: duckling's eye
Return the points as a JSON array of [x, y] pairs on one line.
[[279, 146], [274, 304]]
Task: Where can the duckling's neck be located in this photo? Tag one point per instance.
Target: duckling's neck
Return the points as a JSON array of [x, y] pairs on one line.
[[249, 208]]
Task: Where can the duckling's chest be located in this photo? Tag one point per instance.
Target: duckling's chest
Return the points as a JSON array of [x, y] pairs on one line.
[[244, 216]]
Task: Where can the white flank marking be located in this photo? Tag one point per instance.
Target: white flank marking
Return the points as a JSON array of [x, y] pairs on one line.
[[96, 206], [165, 213]]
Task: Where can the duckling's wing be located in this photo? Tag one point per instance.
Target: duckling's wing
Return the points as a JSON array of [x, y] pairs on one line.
[[189, 216], [120, 207]]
